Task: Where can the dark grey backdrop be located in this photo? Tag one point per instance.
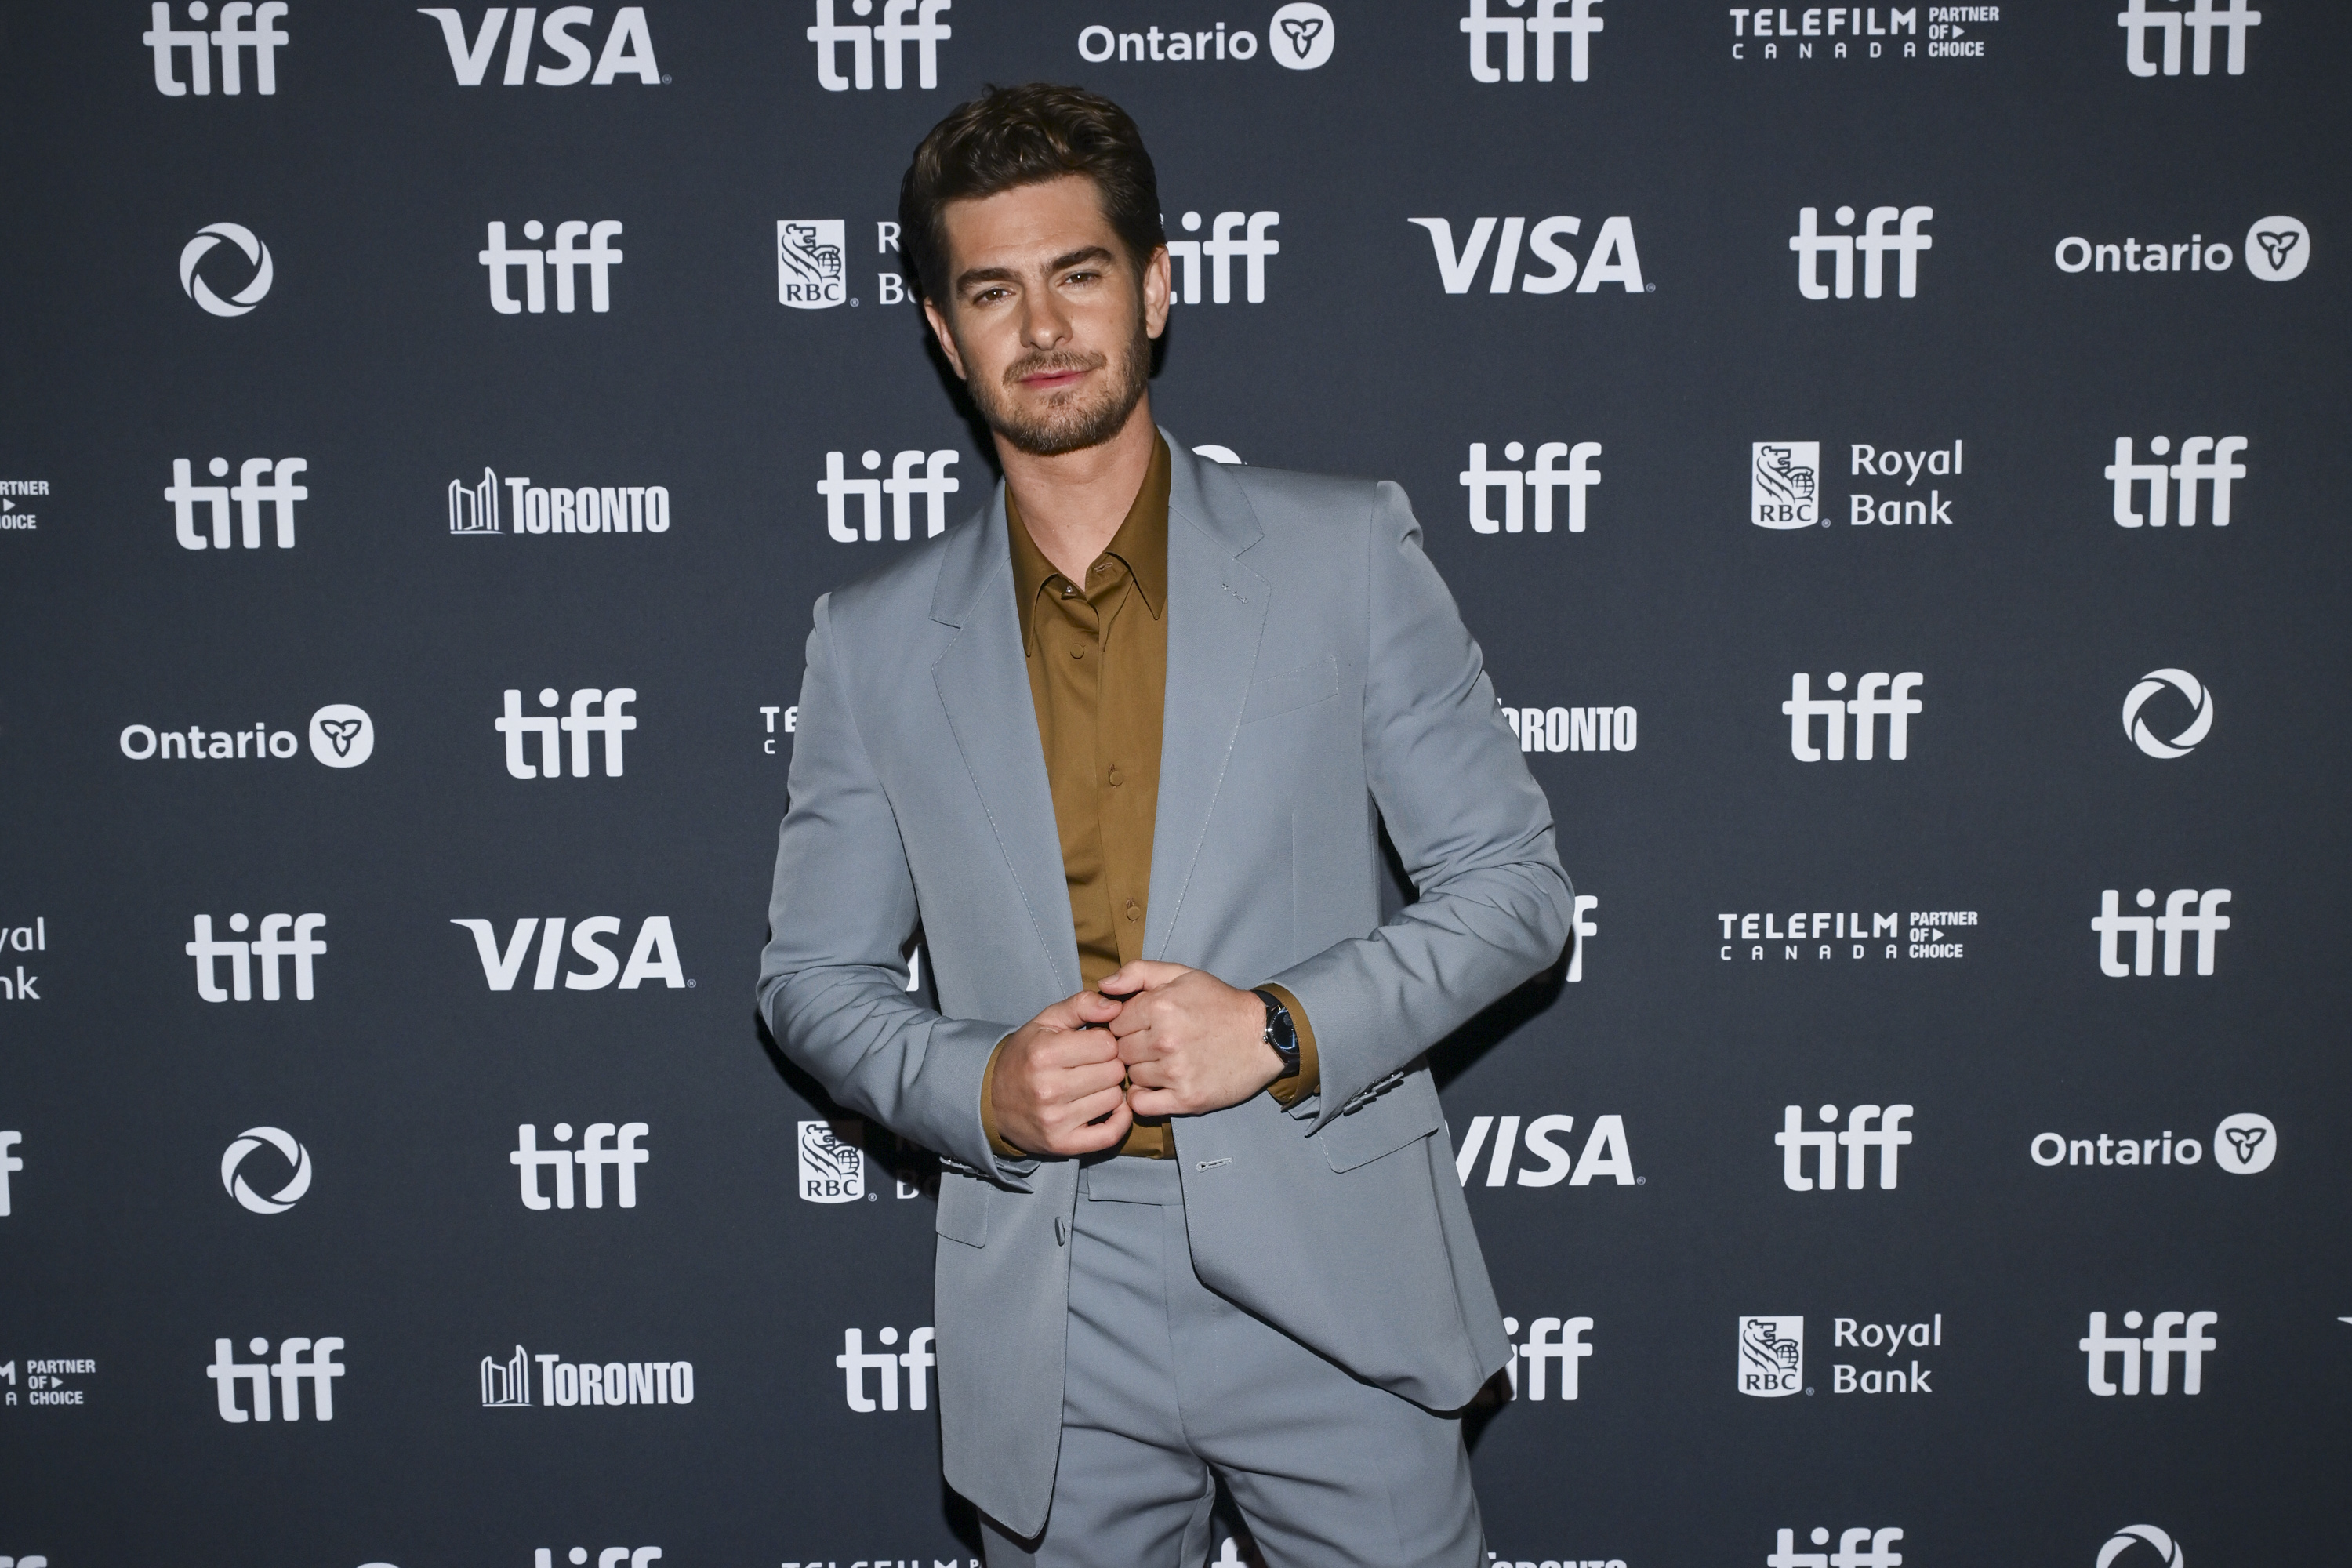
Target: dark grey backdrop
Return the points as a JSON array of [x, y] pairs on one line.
[[376, 357]]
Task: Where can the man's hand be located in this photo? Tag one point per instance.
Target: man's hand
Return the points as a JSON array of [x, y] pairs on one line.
[[1190, 1042], [1054, 1077]]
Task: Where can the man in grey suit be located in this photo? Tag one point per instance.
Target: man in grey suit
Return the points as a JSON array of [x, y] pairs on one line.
[[1118, 747]]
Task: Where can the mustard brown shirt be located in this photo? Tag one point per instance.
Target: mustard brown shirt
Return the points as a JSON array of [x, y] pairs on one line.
[[1098, 659]]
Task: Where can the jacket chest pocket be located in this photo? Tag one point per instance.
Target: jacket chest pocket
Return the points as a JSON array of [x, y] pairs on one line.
[[1300, 687]]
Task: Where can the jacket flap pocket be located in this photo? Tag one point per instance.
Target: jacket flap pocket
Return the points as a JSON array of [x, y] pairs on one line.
[[1406, 1113], [1298, 688], [963, 1209]]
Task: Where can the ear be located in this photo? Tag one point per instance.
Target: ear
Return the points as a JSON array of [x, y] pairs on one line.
[[1157, 292], [940, 330]]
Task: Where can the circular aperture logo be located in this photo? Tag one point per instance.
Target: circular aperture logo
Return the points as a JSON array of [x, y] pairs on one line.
[[341, 736], [2245, 1145], [192, 285], [2278, 249], [285, 1197], [2187, 685], [1300, 35]]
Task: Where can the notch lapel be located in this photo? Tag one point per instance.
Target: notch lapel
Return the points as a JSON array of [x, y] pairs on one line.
[[1216, 615], [983, 684]]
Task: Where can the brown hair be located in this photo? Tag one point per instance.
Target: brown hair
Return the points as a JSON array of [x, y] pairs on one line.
[[1013, 136]]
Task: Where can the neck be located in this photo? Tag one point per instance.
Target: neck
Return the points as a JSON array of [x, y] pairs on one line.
[[1073, 502]]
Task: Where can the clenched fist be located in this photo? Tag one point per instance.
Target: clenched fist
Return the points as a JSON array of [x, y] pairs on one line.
[[1055, 1075], [1191, 1043]]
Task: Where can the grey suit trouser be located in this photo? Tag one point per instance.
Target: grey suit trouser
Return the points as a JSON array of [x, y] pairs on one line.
[[1168, 1386]]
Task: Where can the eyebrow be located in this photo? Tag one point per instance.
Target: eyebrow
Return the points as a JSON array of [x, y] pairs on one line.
[[1007, 275]]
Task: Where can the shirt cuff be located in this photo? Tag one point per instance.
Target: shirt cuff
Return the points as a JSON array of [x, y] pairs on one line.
[[1288, 1091], [988, 1108]]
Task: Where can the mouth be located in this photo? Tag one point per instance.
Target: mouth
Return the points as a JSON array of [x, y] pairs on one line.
[[1053, 380]]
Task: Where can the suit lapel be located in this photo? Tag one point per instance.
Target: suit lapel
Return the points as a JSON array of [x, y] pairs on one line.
[[1216, 614], [983, 685]]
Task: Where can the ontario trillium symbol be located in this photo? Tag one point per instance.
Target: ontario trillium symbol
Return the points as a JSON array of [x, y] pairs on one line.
[[343, 732], [2277, 245]]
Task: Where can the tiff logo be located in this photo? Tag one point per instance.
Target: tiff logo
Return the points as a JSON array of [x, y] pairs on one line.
[[2162, 1345], [1612, 259], [593, 712], [1873, 698], [1861, 1547], [628, 47], [856, 1360], [934, 484], [319, 1368], [894, 32], [1549, 1340], [1873, 243], [2137, 22], [2176, 922], [8, 1163], [2193, 470], [250, 493], [231, 38], [271, 945], [1544, 26], [611, 1557], [1858, 1139], [566, 257], [592, 1155], [1605, 1153], [1540, 482], [1223, 246], [654, 956]]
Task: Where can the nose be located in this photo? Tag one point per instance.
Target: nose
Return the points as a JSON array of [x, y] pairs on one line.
[[1045, 324]]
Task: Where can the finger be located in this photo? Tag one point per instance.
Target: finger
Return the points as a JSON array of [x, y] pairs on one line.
[[1085, 1138], [1079, 1083], [1073, 1047], [1077, 1012], [1156, 1103], [1140, 974], [1143, 1045]]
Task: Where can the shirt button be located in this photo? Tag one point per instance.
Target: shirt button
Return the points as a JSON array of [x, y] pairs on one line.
[[1077, 653], [1069, 590], [1134, 910], [1117, 778]]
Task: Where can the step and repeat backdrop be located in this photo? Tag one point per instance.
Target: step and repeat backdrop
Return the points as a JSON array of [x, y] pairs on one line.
[[1893, 458]]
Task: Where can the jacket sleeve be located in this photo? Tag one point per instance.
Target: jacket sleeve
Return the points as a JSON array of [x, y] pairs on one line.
[[833, 975], [1474, 832]]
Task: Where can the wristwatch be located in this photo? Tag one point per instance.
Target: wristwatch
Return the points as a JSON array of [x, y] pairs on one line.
[[1280, 1033]]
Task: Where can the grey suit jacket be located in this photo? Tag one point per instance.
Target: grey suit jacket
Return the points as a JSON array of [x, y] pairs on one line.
[[1320, 683]]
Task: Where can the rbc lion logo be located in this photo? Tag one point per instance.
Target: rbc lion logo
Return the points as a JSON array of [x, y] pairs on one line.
[[809, 270], [1771, 1356], [1785, 483], [833, 1165]]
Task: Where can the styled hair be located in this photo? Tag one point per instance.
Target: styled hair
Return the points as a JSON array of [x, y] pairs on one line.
[[1014, 136]]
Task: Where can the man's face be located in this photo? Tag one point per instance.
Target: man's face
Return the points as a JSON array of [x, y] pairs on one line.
[[1045, 316]]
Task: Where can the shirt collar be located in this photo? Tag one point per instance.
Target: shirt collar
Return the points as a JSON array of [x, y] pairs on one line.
[[1140, 545]]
